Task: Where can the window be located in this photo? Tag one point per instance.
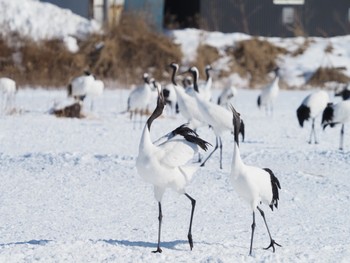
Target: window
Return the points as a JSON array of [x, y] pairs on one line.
[[288, 15], [288, 2]]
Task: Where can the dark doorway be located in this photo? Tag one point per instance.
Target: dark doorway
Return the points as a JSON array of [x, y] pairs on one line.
[[180, 14]]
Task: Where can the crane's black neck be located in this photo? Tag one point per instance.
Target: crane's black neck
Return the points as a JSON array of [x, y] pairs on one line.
[[146, 80], [175, 69], [207, 73], [195, 79], [157, 112], [236, 121]]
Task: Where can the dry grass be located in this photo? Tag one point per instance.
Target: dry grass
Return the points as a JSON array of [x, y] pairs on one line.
[[130, 49], [302, 48], [206, 55], [123, 52], [324, 74], [256, 57]]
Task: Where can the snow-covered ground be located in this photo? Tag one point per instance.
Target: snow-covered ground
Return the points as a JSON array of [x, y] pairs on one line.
[[70, 191]]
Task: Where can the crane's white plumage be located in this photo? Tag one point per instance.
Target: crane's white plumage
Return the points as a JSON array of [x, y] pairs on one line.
[[311, 107], [8, 93], [253, 184], [227, 94], [140, 98], [79, 86], [214, 115], [186, 103], [337, 114], [94, 90], [205, 89], [269, 94], [170, 97], [167, 165]]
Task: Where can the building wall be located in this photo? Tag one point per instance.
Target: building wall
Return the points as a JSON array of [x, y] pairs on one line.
[[153, 8], [80, 7], [262, 17]]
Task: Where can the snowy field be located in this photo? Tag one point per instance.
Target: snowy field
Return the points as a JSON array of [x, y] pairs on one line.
[[70, 191]]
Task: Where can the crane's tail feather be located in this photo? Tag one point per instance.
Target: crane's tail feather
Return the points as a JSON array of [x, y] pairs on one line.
[[303, 114], [191, 136], [275, 186]]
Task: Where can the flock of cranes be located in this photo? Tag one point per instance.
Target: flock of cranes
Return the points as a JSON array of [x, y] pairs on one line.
[[79, 88], [167, 162]]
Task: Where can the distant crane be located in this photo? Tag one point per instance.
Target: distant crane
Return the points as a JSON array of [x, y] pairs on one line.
[[139, 98], [186, 103], [226, 95], [166, 165], [269, 94], [95, 90], [8, 91], [311, 107], [344, 93], [337, 114], [253, 184], [216, 116], [205, 89], [170, 97], [78, 87]]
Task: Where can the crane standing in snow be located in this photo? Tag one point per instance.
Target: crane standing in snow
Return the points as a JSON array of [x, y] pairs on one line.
[[269, 94], [166, 165], [216, 116], [344, 93], [78, 87], [95, 90], [186, 103], [8, 91], [205, 89], [226, 96], [139, 98], [336, 114], [253, 184], [311, 107]]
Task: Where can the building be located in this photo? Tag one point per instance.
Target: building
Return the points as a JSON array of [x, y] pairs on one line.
[[100, 10], [283, 18]]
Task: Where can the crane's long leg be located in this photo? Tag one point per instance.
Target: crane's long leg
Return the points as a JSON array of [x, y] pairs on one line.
[[341, 138], [215, 148], [313, 132], [251, 238], [159, 250], [272, 242], [220, 145], [141, 115], [189, 236]]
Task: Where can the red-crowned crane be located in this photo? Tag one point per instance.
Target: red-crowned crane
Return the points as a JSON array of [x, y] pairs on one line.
[[139, 99], [214, 115], [253, 184], [79, 86], [337, 114], [167, 165], [344, 93], [8, 91], [311, 107], [269, 94]]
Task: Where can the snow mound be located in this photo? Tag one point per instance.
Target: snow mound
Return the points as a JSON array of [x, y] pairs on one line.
[[30, 18]]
